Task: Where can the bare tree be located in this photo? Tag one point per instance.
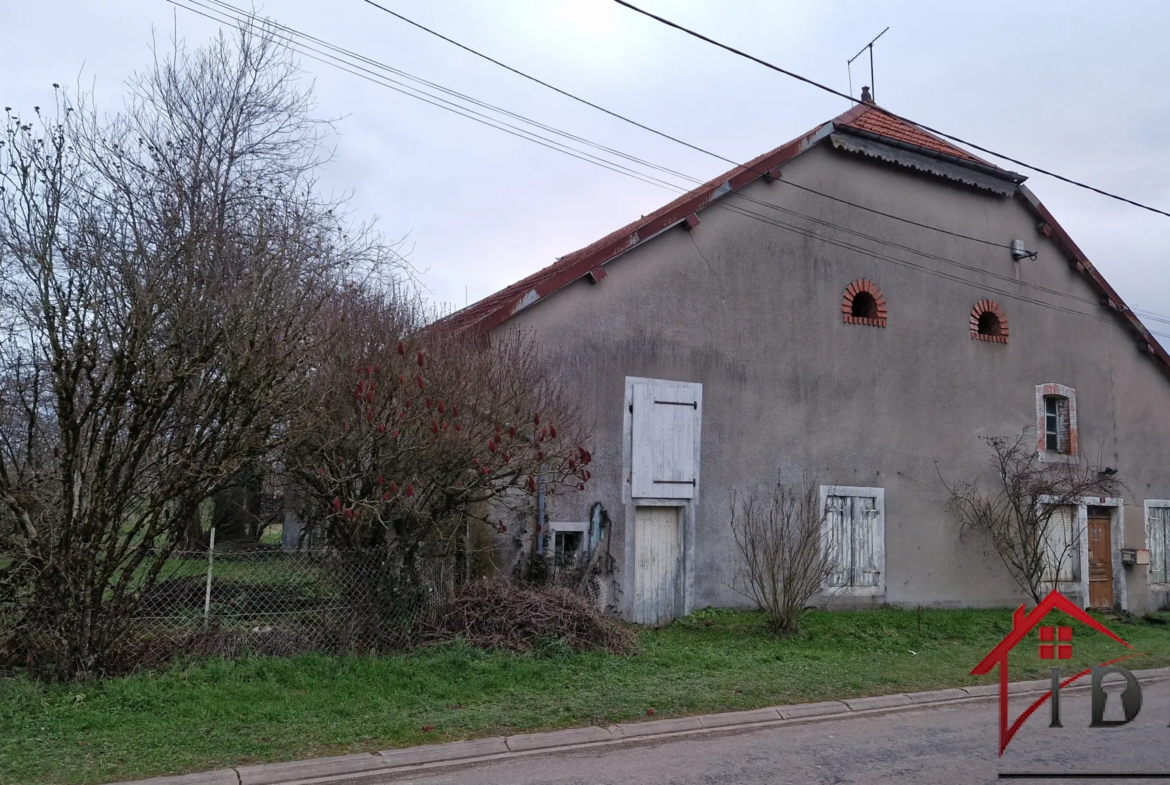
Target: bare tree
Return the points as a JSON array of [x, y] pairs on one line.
[[415, 429], [162, 275], [781, 537], [1024, 515]]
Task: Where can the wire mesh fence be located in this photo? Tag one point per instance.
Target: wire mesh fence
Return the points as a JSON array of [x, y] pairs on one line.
[[259, 599], [265, 601]]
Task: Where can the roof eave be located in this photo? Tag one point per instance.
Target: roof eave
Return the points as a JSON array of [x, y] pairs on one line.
[[993, 171], [650, 229], [1081, 264]]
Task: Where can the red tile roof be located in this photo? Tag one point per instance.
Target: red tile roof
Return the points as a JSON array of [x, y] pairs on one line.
[[512, 294], [877, 122], [864, 117]]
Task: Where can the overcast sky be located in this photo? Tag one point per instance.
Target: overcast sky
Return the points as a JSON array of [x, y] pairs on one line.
[[1068, 86]]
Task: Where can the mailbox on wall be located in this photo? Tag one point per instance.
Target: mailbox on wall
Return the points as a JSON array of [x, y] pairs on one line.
[[1138, 556]]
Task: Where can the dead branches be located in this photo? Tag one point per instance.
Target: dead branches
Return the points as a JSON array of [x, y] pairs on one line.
[[497, 614], [1026, 515], [781, 539], [164, 274]]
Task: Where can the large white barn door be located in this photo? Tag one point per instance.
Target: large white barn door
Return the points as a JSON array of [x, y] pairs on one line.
[[658, 549], [665, 420]]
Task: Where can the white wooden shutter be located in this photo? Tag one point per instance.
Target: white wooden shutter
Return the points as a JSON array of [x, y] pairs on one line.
[[663, 450], [866, 548], [855, 537], [839, 536], [1062, 547], [1062, 425], [1157, 522]]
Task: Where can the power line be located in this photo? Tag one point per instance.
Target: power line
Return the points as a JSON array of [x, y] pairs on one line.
[[675, 139], [239, 12], [338, 62], [697, 148], [388, 83], [886, 112]]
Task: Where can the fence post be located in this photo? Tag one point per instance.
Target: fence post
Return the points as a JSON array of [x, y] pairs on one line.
[[207, 593]]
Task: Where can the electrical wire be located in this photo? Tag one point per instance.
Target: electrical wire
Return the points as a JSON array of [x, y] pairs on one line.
[[675, 139], [697, 148], [340, 63], [440, 103], [886, 112]]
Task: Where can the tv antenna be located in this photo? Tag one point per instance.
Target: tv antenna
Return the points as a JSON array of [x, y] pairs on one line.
[[849, 66]]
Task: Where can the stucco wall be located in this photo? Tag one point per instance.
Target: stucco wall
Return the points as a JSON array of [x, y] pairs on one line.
[[752, 311]]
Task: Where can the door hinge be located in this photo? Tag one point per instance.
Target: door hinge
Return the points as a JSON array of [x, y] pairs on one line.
[[675, 482], [693, 404]]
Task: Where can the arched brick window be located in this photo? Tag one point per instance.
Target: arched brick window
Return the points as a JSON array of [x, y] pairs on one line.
[[864, 304], [989, 322]]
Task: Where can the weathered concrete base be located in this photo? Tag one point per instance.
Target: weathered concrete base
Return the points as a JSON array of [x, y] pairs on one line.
[[321, 768], [350, 769], [935, 696], [219, 777], [878, 702], [456, 750], [558, 738], [822, 709], [733, 718], [657, 727]]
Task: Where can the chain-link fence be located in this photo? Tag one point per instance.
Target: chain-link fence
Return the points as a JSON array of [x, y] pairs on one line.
[[266, 601], [262, 599]]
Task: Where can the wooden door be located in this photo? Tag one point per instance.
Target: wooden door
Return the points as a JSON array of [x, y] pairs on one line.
[[658, 552], [1100, 558]]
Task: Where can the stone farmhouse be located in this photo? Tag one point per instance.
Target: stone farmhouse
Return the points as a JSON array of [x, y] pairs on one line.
[[859, 304]]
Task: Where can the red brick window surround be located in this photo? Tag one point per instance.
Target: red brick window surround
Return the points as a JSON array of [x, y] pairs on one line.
[[989, 322], [1056, 420], [864, 304]]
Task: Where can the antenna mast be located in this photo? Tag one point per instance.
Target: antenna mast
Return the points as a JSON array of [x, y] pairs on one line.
[[849, 66]]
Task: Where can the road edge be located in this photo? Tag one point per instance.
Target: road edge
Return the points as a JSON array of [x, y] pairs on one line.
[[355, 769]]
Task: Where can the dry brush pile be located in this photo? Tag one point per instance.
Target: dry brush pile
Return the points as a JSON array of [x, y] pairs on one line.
[[495, 614]]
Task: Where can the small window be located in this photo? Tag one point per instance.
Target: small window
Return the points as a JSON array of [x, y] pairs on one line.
[[854, 536], [567, 544], [567, 548], [989, 322], [1056, 419], [1157, 534], [864, 304], [1056, 423]]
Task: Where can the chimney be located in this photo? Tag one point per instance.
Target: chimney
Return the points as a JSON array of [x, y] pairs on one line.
[[865, 96]]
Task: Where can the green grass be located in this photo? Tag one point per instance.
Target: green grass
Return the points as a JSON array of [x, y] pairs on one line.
[[210, 714]]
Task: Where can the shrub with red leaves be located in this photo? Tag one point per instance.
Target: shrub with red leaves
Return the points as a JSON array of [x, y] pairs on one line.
[[466, 450]]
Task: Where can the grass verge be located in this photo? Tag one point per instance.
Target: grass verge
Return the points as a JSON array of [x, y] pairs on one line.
[[211, 714]]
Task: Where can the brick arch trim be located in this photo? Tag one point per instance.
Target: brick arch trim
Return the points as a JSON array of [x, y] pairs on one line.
[[855, 288], [989, 306]]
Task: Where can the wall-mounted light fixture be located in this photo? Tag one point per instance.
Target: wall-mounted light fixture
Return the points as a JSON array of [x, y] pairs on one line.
[[1019, 252]]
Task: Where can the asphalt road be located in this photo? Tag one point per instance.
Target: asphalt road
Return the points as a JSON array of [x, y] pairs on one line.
[[949, 744]]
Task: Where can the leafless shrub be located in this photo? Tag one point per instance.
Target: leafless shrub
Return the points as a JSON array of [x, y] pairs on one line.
[[1022, 515], [500, 614], [781, 539], [163, 276]]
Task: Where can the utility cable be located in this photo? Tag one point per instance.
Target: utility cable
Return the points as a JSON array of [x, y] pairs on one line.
[[378, 79], [886, 112], [675, 139]]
